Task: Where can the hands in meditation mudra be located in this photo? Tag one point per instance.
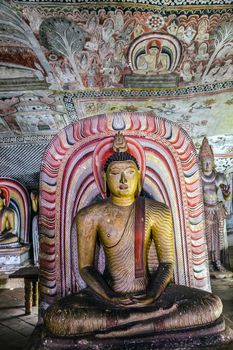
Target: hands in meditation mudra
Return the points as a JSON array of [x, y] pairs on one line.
[[128, 299]]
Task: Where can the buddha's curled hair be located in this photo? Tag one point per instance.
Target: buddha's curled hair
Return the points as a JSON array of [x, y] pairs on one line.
[[119, 157]]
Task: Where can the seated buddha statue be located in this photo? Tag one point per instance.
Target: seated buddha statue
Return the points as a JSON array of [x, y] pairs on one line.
[[128, 299], [8, 228]]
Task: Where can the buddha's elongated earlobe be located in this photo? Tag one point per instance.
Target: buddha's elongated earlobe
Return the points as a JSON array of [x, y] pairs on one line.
[[104, 182], [139, 187]]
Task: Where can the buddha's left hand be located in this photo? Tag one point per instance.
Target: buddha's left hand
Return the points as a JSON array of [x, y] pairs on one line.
[[123, 301], [159, 281], [142, 300]]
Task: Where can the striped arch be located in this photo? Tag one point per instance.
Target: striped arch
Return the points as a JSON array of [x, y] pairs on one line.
[[19, 202], [68, 183]]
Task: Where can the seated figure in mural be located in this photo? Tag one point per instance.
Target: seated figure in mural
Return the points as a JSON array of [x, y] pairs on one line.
[[153, 61], [8, 227], [215, 212], [128, 299]]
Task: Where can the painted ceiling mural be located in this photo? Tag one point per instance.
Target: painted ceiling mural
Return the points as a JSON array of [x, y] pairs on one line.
[[200, 115], [82, 47], [63, 60]]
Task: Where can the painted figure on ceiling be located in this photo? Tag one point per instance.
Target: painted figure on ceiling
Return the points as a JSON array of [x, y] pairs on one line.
[[198, 72], [215, 212], [153, 61], [187, 73], [8, 223], [202, 34], [139, 30], [173, 27], [186, 35], [202, 53], [108, 31]]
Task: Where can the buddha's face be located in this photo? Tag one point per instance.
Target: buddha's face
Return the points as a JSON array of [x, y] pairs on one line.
[[153, 51], [123, 178]]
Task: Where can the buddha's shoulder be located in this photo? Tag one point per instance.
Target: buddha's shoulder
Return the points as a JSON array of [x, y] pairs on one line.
[[93, 209], [155, 206]]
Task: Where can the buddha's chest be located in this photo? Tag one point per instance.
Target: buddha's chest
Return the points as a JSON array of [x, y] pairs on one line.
[[119, 226], [112, 226]]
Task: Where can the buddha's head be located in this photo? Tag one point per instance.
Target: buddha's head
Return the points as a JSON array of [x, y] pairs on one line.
[[122, 171], [153, 51], [153, 47]]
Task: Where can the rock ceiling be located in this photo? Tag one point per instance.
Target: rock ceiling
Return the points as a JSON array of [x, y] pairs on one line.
[[61, 61]]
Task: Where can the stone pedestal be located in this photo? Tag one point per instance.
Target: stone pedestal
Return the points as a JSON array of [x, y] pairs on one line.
[[13, 256], [214, 335]]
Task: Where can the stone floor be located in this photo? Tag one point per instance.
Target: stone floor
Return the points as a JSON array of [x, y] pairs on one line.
[[15, 326]]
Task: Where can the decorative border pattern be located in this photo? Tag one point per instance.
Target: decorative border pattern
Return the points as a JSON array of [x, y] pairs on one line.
[[67, 184], [139, 93], [149, 2], [102, 61], [25, 139]]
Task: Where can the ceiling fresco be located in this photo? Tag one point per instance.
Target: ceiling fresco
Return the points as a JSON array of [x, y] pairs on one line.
[[62, 61], [74, 48]]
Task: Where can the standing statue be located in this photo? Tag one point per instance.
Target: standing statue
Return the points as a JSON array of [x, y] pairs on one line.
[[129, 299], [215, 212], [8, 227]]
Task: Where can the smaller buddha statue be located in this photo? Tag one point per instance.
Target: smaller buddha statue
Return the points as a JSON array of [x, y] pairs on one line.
[[8, 227], [133, 297], [215, 212]]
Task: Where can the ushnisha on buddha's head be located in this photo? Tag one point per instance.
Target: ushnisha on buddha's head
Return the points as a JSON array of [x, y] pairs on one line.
[[122, 171]]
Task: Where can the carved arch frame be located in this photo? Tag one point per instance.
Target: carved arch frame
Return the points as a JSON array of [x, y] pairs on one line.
[[67, 184]]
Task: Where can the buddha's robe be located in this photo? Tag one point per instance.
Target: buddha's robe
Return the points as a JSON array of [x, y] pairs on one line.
[[177, 307]]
